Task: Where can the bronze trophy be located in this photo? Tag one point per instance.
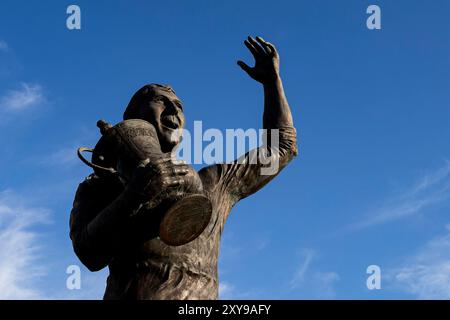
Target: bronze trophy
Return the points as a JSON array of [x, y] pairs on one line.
[[180, 214]]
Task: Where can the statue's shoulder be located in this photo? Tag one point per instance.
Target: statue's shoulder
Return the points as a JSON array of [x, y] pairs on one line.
[[210, 175], [87, 187], [95, 184], [90, 181]]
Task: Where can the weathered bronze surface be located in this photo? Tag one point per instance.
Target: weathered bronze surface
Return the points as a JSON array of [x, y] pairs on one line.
[[182, 213], [106, 231]]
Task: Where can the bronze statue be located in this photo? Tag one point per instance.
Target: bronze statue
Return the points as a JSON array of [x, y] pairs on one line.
[[176, 213], [105, 225]]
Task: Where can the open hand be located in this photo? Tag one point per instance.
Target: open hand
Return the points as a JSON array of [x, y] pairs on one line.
[[150, 179], [267, 61]]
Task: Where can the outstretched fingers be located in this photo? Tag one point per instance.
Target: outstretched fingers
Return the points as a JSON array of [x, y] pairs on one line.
[[266, 59], [244, 66], [252, 49], [270, 48], [259, 49]]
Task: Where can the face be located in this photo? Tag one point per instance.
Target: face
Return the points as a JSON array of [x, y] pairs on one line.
[[165, 112]]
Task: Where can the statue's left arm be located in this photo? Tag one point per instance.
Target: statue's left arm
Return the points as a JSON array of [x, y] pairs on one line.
[[246, 175]]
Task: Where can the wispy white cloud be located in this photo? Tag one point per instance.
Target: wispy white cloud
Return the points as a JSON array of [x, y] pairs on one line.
[[28, 95], [233, 249], [65, 156], [432, 189], [19, 248], [299, 276], [233, 254], [310, 283], [229, 291], [325, 283], [4, 46], [226, 290], [426, 274], [22, 265]]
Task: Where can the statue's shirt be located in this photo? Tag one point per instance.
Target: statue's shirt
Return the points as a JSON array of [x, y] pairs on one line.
[[154, 270]]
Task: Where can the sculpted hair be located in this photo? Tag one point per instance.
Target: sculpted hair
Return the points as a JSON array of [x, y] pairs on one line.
[[142, 96]]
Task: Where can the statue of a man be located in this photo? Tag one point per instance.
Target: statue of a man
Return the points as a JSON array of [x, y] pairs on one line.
[[105, 233]]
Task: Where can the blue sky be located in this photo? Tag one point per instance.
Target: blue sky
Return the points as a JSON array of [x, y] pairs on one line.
[[371, 184]]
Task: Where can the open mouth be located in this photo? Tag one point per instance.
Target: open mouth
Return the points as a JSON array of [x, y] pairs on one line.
[[170, 122]]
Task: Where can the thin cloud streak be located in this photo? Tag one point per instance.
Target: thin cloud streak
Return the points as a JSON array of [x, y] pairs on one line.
[[313, 284], [4, 46], [27, 96], [228, 291], [299, 275], [19, 248], [65, 156], [426, 274], [432, 189]]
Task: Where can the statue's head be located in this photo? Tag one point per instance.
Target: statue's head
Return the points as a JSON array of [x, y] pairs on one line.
[[159, 105]]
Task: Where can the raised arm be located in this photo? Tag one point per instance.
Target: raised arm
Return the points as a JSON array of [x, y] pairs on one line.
[[245, 175], [266, 71]]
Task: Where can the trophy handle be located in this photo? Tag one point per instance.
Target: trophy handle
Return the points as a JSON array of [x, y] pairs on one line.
[[89, 163]]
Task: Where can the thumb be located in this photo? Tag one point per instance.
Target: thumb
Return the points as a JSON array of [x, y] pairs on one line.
[[244, 66]]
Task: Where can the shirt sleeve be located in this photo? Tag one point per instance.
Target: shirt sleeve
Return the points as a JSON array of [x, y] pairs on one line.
[[255, 169]]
